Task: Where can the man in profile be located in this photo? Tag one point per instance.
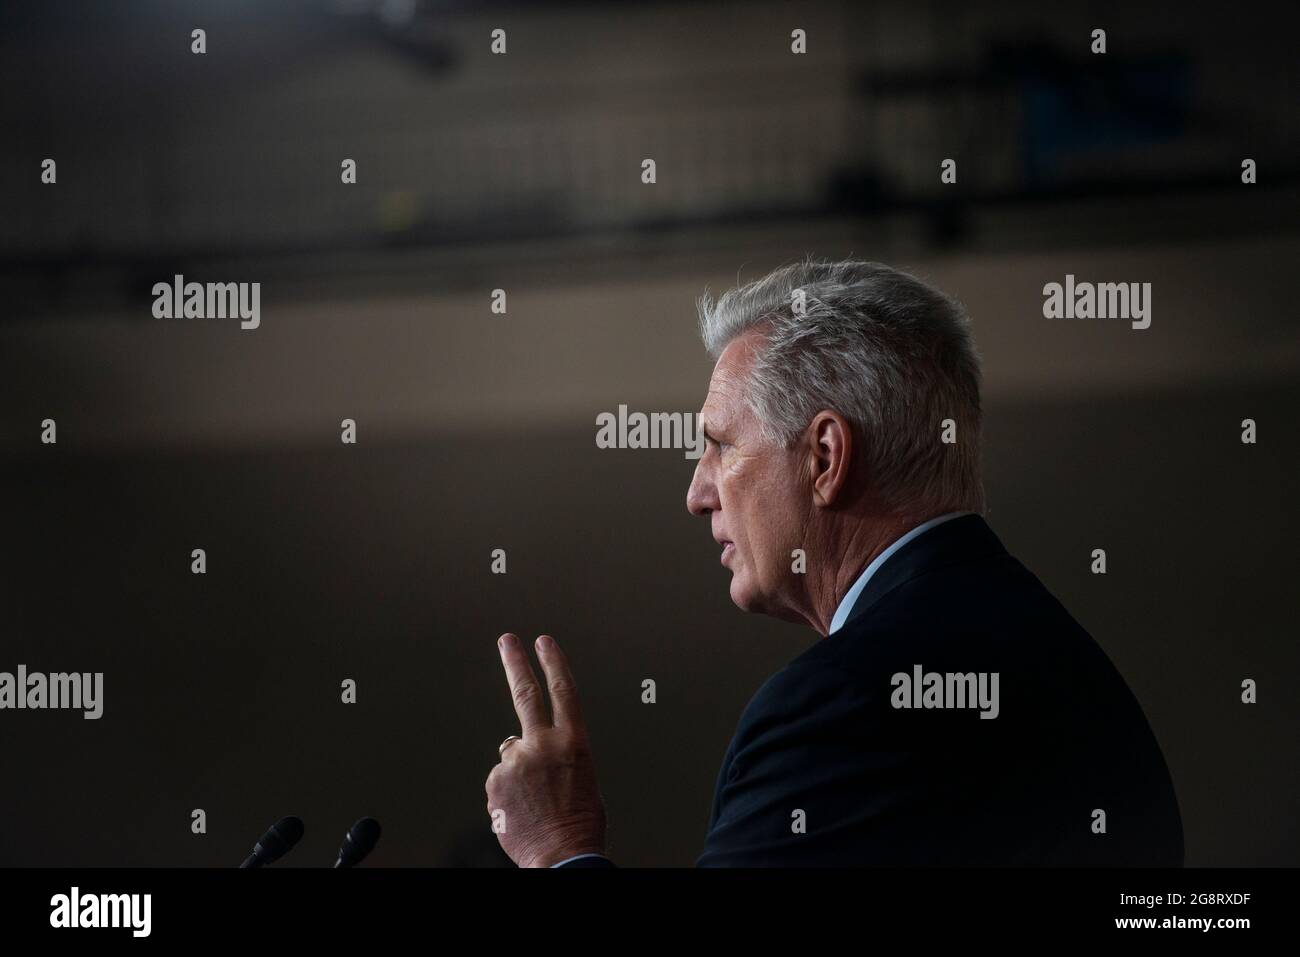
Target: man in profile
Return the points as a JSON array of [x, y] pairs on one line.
[[952, 713]]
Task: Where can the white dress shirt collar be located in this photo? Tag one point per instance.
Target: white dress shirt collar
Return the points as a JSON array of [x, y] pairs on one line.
[[847, 603]]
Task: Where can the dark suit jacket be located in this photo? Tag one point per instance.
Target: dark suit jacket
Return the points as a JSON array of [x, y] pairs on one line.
[[884, 785]]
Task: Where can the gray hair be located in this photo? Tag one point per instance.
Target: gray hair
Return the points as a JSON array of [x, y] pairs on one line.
[[891, 354]]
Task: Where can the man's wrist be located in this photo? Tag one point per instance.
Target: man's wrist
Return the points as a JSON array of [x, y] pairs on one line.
[[554, 858], [589, 856]]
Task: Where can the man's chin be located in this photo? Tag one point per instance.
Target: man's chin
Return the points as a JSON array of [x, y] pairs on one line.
[[742, 596], [751, 600]]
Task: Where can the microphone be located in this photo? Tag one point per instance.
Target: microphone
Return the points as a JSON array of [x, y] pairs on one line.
[[358, 842], [276, 842]]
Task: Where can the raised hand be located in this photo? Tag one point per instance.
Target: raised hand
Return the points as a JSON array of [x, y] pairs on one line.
[[543, 797]]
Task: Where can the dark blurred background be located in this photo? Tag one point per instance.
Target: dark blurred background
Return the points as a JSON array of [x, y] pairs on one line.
[[476, 430]]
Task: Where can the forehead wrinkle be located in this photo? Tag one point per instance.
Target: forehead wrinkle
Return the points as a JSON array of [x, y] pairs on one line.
[[727, 401], [719, 407]]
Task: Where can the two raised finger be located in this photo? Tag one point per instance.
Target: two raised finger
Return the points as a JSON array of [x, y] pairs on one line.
[[527, 693]]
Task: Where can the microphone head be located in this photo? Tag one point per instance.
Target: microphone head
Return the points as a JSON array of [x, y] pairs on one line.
[[359, 841], [279, 839]]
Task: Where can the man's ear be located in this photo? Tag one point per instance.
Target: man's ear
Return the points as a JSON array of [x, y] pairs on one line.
[[830, 447]]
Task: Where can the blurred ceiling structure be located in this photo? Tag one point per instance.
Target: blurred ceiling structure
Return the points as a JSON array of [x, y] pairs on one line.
[[523, 171]]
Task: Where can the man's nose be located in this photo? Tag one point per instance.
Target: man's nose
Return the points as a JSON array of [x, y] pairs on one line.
[[701, 496]]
